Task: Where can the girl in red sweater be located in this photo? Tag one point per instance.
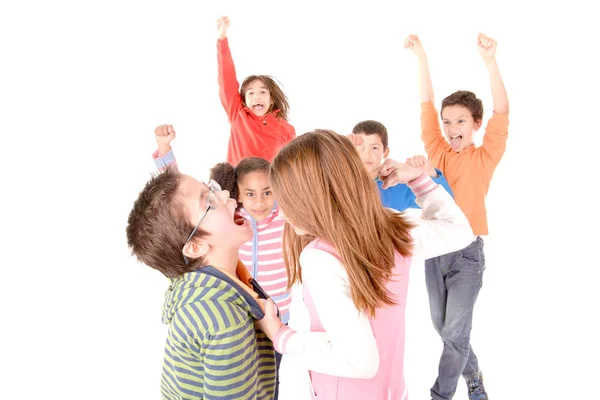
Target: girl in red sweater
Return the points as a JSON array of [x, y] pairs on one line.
[[257, 111]]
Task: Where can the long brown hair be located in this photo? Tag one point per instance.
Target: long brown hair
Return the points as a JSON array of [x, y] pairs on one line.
[[323, 188]]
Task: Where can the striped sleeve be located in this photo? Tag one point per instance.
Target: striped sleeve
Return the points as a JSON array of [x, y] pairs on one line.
[[163, 162]]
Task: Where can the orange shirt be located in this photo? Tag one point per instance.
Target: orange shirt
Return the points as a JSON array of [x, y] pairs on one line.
[[469, 172]]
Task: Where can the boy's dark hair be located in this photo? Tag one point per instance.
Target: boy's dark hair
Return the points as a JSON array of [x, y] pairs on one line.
[[157, 227], [371, 127], [280, 100], [466, 99], [227, 176]]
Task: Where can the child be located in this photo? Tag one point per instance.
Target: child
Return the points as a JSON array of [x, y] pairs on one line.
[[262, 254], [469, 170], [353, 257], [212, 350], [257, 112], [371, 141]]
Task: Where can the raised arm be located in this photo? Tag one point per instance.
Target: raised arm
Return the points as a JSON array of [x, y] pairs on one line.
[[496, 133], [414, 44], [487, 50], [431, 133], [228, 83], [164, 157]]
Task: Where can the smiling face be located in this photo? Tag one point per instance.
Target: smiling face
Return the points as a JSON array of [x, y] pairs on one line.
[[258, 98], [254, 192], [459, 126]]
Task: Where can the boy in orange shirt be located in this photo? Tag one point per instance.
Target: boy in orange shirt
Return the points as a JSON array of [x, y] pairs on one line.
[[453, 283]]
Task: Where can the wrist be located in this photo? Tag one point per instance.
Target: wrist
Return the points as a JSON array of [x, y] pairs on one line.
[[433, 173], [490, 63], [162, 150]]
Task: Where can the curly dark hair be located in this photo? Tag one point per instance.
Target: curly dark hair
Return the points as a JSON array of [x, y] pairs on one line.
[[227, 176]]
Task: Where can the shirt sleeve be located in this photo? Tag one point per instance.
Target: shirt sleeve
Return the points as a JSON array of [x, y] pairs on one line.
[[347, 348], [228, 84], [442, 227], [165, 161]]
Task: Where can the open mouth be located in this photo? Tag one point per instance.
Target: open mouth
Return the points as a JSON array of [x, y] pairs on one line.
[[238, 219], [455, 140], [258, 106]]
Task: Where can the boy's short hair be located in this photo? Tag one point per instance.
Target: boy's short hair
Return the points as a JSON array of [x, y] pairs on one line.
[[370, 127], [157, 227], [466, 99]]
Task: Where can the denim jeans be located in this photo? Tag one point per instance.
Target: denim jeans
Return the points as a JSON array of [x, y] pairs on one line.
[[453, 282]]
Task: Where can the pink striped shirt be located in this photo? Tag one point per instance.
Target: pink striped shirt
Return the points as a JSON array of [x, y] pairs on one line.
[[263, 256]]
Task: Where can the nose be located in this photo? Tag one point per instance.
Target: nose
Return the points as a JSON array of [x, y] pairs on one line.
[[223, 196]]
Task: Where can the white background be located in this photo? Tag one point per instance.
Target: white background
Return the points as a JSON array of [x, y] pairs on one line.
[[83, 84]]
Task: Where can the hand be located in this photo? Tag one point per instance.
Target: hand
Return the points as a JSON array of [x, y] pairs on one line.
[[357, 140], [164, 134], [412, 42], [270, 323], [487, 48], [222, 27], [392, 173], [422, 163]]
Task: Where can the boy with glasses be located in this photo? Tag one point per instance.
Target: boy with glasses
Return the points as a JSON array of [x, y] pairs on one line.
[[213, 349]]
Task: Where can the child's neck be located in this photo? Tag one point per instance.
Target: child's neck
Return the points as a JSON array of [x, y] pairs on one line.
[[374, 174], [225, 260]]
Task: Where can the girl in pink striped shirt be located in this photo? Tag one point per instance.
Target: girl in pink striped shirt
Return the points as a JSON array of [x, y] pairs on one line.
[[248, 183]]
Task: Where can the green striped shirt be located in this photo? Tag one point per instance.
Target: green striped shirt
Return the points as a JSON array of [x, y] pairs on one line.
[[213, 350]]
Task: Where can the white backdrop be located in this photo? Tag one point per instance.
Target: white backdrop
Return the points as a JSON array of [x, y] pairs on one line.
[[83, 84]]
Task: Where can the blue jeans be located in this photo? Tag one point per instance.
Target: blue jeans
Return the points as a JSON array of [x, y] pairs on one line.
[[453, 282]]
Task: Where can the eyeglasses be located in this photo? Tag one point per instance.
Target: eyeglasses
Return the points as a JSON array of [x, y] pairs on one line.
[[213, 202]]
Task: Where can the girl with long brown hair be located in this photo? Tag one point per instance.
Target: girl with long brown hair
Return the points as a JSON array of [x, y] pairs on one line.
[[353, 257]]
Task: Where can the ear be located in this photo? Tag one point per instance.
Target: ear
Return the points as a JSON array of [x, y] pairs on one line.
[[478, 125], [386, 153], [195, 249]]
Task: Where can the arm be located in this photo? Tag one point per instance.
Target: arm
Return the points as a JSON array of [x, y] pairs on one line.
[[347, 348], [487, 50], [228, 84], [494, 140], [431, 133], [164, 157], [443, 227], [424, 165]]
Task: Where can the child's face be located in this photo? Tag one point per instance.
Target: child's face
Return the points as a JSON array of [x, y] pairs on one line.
[[255, 194], [226, 228], [459, 126], [372, 153], [258, 98]]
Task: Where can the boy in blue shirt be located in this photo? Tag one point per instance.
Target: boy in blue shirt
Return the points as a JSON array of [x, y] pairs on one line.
[[374, 149]]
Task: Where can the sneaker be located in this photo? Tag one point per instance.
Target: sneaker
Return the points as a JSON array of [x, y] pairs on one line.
[[476, 389]]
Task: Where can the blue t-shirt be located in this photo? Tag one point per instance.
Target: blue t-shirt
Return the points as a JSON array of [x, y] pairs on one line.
[[400, 197]]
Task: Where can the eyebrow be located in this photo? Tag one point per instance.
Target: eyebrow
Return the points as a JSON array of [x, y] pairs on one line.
[[462, 116], [251, 190]]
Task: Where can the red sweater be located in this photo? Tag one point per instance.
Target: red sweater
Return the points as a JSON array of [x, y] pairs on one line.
[[250, 135]]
